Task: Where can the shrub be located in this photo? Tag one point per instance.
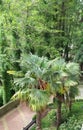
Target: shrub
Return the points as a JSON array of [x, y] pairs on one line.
[[71, 124], [49, 119]]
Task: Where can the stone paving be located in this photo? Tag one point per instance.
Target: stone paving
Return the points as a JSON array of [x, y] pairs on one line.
[[17, 118]]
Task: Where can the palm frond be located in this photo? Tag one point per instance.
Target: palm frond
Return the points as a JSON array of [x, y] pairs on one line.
[[58, 64], [21, 95], [73, 91], [15, 73], [73, 68], [25, 81], [69, 83], [37, 65], [38, 99]]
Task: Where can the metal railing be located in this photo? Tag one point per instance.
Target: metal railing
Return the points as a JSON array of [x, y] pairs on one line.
[[30, 125]]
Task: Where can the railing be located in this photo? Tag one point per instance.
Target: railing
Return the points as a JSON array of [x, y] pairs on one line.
[[30, 125]]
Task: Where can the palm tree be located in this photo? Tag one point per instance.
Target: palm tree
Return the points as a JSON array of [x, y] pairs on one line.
[[63, 80], [39, 72], [34, 84], [73, 71]]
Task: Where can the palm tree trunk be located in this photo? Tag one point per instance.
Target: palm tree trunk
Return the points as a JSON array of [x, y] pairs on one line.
[[38, 121], [58, 114], [59, 103]]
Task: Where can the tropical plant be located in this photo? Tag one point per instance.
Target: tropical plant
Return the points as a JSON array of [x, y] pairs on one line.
[[73, 71], [34, 85], [63, 80], [39, 74]]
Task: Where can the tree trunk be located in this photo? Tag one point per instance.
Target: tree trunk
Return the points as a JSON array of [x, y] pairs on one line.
[[58, 114], [38, 121], [70, 105], [66, 52], [59, 103]]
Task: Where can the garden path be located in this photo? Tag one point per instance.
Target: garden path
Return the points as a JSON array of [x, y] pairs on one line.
[[17, 118]]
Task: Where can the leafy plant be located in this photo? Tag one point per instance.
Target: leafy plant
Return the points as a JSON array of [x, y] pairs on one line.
[[71, 124], [34, 86]]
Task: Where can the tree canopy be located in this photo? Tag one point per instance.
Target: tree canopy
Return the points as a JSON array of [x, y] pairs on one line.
[[45, 27]]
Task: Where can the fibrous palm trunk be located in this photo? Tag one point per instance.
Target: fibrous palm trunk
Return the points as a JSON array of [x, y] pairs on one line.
[[58, 114], [38, 121], [59, 103]]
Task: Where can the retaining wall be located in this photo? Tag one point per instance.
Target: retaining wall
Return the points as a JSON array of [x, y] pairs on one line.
[[8, 107]]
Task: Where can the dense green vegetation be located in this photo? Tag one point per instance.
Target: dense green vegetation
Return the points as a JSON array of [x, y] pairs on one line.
[[72, 121], [40, 41]]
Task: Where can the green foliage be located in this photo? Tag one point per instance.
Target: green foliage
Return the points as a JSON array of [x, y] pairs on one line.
[[64, 75], [1, 96], [49, 28], [77, 109], [46, 28], [6, 87], [41, 75], [49, 119], [37, 99], [33, 85], [73, 120], [6, 79], [71, 124], [47, 122], [79, 55]]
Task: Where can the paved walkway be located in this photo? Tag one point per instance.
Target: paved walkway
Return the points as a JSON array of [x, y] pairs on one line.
[[17, 118]]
